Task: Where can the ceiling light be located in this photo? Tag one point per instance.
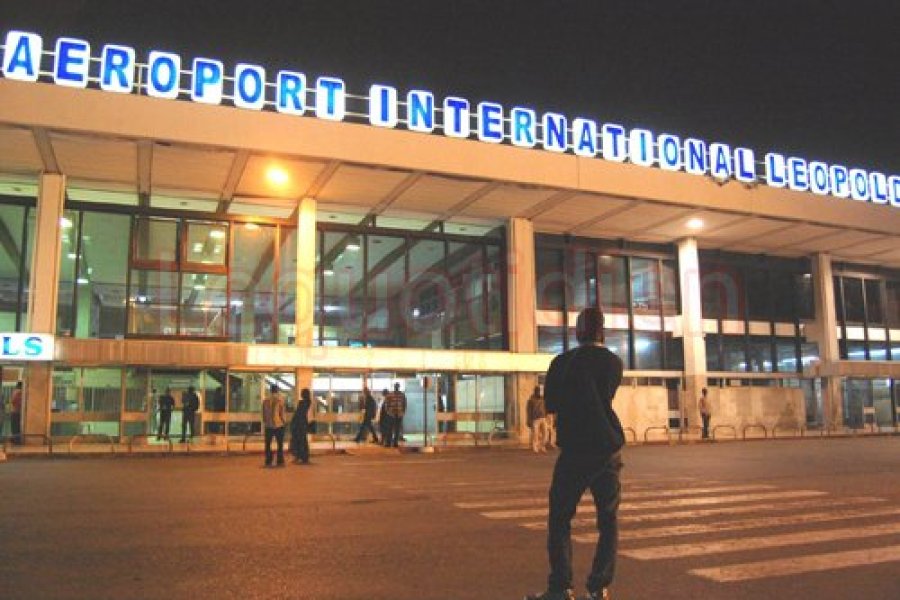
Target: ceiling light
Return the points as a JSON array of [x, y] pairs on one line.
[[65, 222], [353, 244], [199, 287], [695, 223], [217, 234], [82, 281], [198, 247], [328, 272], [251, 226], [277, 176], [72, 256]]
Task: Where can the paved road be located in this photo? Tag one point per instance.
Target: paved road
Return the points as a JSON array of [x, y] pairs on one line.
[[816, 519]]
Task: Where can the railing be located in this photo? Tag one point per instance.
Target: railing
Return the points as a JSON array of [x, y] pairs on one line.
[[649, 429], [46, 439], [687, 430], [146, 436], [445, 435], [633, 434], [100, 436], [330, 436], [718, 427], [494, 432], [754, 426], [799, 429]]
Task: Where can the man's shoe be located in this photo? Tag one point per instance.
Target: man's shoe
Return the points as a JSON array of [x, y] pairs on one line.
[[601, 595], [552, 595]]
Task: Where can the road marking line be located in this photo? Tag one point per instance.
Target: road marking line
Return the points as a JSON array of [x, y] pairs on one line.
[[695, 514], [800, 564], [631, 506], [769, 521], [757, 543]]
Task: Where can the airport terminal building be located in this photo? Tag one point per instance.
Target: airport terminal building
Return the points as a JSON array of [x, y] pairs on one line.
[[170, 221]]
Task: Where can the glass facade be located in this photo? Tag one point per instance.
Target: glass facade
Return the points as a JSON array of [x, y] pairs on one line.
[[867, 307], [16, 244]]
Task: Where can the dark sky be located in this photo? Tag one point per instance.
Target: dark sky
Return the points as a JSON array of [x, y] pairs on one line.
[[813, 78]]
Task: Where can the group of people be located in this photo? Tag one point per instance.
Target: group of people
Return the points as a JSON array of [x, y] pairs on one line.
[[541, 423], [190, 404], [274, 423], [16, 403], [389, 415]]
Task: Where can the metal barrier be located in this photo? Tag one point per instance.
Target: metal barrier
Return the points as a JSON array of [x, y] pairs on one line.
[[446, 436], [633, 434], [48, 441], [247, 437], [649, 429], [688, 430], [330, 436], [718, 427], [147, 436], [799, 429], [101, 436], [755, 426], [494, 432]]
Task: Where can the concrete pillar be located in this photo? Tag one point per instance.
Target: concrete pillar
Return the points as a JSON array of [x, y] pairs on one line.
[[521, 311], [43, 297], [306, 285], [692, 329], [823, 331]]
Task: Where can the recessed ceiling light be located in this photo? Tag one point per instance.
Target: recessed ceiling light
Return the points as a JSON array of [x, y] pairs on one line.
[[217, 234], [277, 176], [695, 223], [251, 226]]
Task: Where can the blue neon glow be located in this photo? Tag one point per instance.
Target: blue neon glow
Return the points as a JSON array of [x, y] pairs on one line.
[[798, 174], [523, 127], [555, 128], [744, 165], [614, 142], [669, 150], [720, 160], [640, 147], [331, 98], [840, 181], [22, 56], [878, 190], [290, 93], [208, 81], [490, 122], [818, 178], [456, 117], [73, 58], [776, 170], [420, 111], [584, 137], [117, 69], [383, 105], [893, 184], [695, 156], [859, 185], [164, 69], [249, 86]]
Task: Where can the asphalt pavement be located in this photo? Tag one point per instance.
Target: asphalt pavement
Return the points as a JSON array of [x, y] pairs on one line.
[[816, 519]]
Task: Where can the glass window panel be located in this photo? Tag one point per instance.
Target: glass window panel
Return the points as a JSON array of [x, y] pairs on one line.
[[617, 342], [65, 308], [670, 299], [550, 339], [154, 303], [156, 240], [12, 262], [853, 300], [674, 352], [139, 397], [760, 349], [892, 308], [647, 350], [581, 278], [856, 350], [878, 350], [645, 286], [252, 301], [783, 296], [207, 243], [385, 325], [287, 287], [809, 353], [65, 397], [803, 296], [722, 291], [496, 297], [343, 293], [734, 357], [203, 304], [613, 284], [247, 391], [759, 294], [102, 277], [786, 354], [101, 390], [838, 300], [713, 357], [425, 298], [874, 314], [465, 269], [550, 279], [895, 351]]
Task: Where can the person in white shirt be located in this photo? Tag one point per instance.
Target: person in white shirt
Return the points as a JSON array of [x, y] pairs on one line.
[[273, 423]]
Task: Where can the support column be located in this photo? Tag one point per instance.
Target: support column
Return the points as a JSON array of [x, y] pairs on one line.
[[823, 331], [521, 312], [304, 313], [692, 329], [43, 297]]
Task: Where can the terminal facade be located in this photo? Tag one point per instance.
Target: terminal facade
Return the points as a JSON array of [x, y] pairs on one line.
[[166, 244]]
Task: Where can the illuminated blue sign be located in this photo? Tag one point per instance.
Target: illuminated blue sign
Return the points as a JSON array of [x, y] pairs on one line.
[[26, 346], [247, 86]]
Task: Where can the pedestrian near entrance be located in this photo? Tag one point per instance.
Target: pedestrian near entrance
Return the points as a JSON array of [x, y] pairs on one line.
[[190, 404], [579, 390], [369, 407], [705, 412], [300, 428], [16, 402], [166, 406], [396, 408], [384, 419], [273, 424], [537, 420]]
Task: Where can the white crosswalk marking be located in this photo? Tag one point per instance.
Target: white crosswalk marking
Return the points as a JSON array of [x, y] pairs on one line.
[[795, 565]]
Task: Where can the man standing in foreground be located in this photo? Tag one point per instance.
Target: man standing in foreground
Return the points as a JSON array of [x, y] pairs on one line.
[[273, 423], [579, 389]]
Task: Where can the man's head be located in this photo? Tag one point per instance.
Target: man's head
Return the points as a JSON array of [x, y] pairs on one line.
[[704, 391], [191, 389], [273, 389], [589, 326], [396, 387]]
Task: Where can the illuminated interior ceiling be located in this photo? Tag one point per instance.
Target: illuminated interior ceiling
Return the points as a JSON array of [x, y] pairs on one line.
[[234, 182]]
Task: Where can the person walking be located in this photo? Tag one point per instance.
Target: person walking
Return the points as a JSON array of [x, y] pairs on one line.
[[166, 406], [369, 407], [300, 428], [579, 390], [190, 404], [273, 424], [16, 402], [384, 419], [537, 420], [705, 412], [396, 408]]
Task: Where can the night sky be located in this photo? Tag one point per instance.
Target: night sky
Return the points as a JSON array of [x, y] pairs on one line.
[[817, 79]]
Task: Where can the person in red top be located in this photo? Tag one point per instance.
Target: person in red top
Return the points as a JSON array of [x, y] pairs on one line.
[[15, 413]]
